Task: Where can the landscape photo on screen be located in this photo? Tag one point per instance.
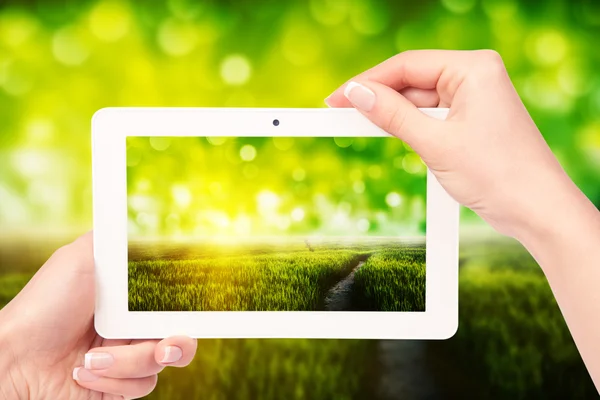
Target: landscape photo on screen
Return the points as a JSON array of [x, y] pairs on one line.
[[275, 224]]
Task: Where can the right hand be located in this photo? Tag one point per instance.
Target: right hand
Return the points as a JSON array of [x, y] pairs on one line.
[[488, 154]]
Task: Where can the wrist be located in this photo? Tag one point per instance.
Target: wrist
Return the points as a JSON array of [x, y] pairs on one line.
[[12, 382], [561, 216]]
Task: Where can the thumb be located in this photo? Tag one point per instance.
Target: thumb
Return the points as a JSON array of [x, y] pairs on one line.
[[393, 113]]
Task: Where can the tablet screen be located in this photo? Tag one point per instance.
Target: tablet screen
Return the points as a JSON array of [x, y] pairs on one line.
[[275, 224]]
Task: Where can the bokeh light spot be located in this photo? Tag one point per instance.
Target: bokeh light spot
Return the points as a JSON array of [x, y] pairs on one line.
[[412, 164], [40, 131], [588, 141], [216, 140], [109, 21], [16, 28], [459, 6], [573, 79], [363, 225], [298, 214], [248, 152], [235, 69], [69, 48], [182, 195], [160, 143], [177, 38], [393, 199], [343, 142], [358, 187], [298, 174], [267, 201], [547, 47]]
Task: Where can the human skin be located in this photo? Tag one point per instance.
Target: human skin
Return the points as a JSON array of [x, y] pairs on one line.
[[490, 156], [50, 350]]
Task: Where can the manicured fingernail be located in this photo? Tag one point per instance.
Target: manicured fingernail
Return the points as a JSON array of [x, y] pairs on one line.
[[172, 354], [98, 360], [327, 101], [83, 375], [360, 96]]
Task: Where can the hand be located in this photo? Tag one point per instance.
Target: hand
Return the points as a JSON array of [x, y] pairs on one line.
[[488, 154], [50, 349]]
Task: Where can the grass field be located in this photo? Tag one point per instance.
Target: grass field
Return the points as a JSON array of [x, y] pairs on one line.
[[290, 277], [512, 342], [392, 281]]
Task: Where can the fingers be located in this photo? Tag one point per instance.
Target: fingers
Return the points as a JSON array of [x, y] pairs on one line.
[[176, 351], [439, 70], [394, 113], [129, 361], [422, 69], [128, 388], [130, 370], [419, 97]]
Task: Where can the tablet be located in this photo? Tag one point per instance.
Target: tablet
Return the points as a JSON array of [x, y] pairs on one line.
[[268, 223]]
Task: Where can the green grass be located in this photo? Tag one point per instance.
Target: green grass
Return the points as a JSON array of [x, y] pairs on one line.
[[275, 369], [267, 278], [512, 335], [392, 280], [512, 343], [266, 282]]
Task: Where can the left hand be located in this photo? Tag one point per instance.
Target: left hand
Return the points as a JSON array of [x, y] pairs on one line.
[[50, 349]]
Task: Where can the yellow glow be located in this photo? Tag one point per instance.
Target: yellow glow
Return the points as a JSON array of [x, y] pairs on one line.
[[298, 214], [242, 225], [181, 195], [267, 201]]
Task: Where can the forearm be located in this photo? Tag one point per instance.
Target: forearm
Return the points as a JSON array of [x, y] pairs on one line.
[[566, 244]]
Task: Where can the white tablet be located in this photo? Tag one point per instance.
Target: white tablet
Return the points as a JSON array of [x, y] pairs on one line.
[[268, 223]]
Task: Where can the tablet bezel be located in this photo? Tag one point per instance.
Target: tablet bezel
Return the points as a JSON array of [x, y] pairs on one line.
[[111, 126]]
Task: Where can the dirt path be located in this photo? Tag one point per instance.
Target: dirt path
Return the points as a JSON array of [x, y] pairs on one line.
[[339, 297], [406, 373]]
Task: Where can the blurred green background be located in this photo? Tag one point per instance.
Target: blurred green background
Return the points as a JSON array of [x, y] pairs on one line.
[[232, 189], [62, 60]]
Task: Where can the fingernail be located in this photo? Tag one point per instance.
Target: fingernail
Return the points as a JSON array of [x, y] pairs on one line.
[[83, 375], [98, 360], [172, 354], [360, 96], [327, 101]]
